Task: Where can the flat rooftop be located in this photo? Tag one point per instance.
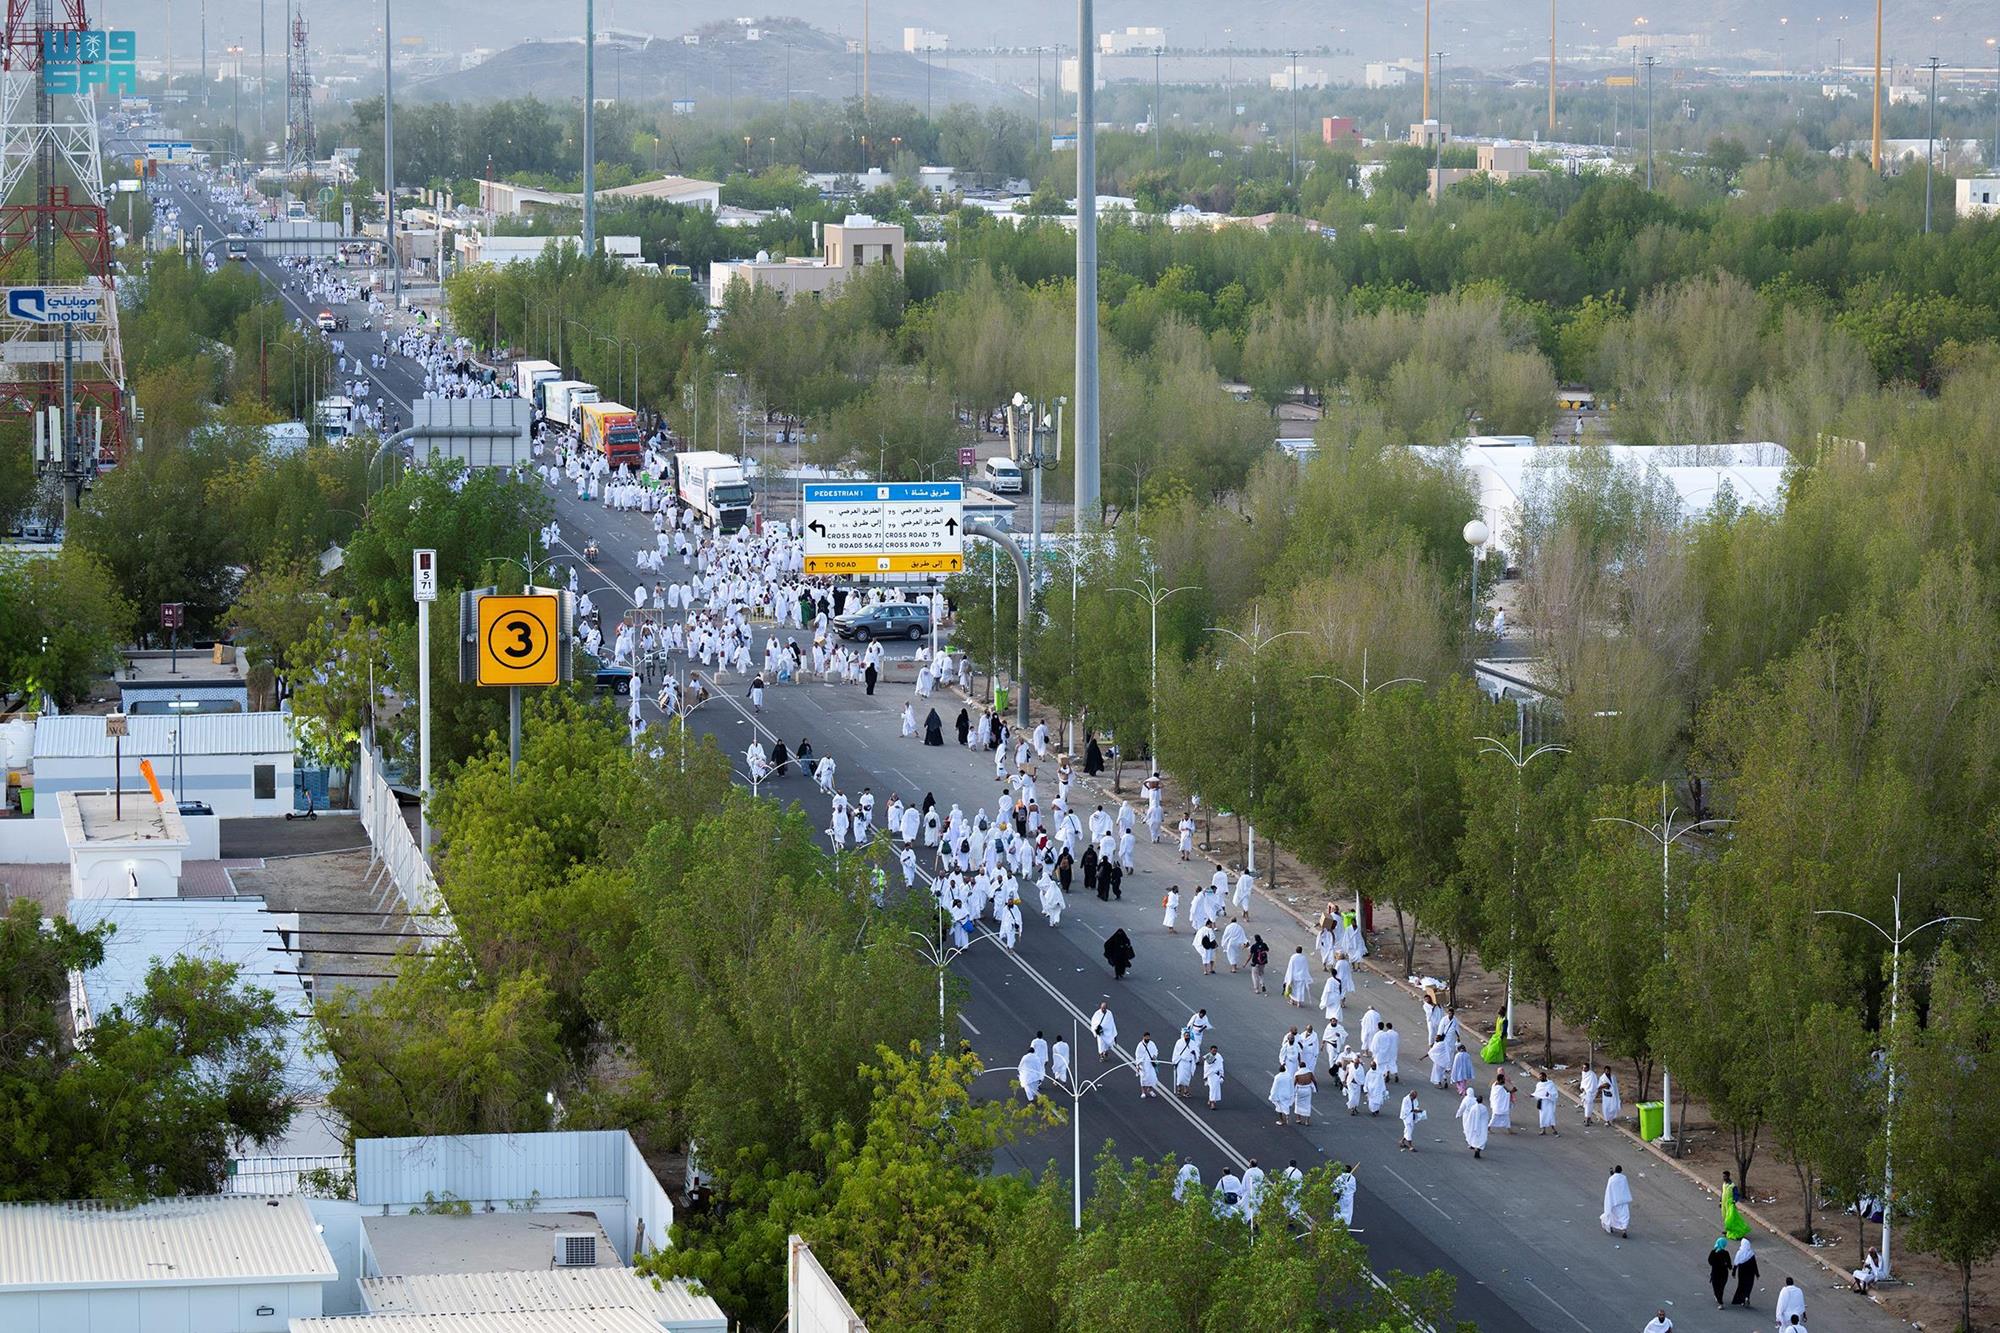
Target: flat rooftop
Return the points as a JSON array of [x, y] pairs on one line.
[[191, 666], [414, 1244], [224, 1239], [669, 1305], [130, 816]]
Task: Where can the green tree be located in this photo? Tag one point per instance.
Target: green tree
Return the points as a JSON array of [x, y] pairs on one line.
[[61, 623], [1947, 1173], [437, 1050], [158, 1098], [914, 1207]]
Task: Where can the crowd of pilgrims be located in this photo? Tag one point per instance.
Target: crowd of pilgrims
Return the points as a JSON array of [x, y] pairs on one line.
[[709, 597]]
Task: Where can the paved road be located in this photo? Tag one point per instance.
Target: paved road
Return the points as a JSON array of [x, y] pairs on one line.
[[1517, 1229]]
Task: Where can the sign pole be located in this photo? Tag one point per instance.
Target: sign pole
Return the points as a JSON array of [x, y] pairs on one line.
[[423, 587], [424, 727], [513, 729]]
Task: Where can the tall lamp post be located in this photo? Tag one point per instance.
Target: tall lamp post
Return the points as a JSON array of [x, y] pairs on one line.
[[1930, 141], [1363, 693], [1520, 757], [1256, 642], [1665, 834], [1149, 591], [1476, 536], [1895, 938]]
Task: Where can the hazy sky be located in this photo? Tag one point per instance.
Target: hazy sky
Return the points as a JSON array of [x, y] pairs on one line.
[[1495, 32]]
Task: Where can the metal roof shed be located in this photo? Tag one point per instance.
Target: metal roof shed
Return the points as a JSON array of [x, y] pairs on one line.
[[226, 1264]]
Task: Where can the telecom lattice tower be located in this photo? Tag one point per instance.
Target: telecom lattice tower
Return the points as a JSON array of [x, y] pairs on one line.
[[301, 146], [53, 200]]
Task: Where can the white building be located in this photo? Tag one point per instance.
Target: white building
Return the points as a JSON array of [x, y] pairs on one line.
[[1385, 74], [1281, 79], [239, 764], [917, 40], [1131, 41], [228, 1264], [263, 946], [1506, 475], [1979, 197]]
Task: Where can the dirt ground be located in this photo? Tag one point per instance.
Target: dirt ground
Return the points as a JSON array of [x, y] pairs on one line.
[[1925, 1292]]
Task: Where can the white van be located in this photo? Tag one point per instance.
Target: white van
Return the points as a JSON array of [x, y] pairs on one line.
[[1001, 475]]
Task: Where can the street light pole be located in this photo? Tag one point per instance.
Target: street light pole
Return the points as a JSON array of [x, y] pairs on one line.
[[1150, 592], [1476, 536], [1256, 642], [1895, 939], [1930, 142], [1666, 835], [1650, 62], [1520, 759], [1364, 693]]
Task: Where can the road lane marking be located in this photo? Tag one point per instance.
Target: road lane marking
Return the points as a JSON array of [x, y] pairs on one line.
[[1414, 1190]]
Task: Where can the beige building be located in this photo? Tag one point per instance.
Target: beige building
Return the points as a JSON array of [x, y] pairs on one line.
[[1500, 161], [1979, 196], [1427, 133], [859, 242]]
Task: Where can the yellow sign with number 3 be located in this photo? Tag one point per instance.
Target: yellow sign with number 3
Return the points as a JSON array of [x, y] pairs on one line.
[[518, 643]]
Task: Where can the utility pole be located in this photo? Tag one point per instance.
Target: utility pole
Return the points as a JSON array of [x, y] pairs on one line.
[[1650, 62], [263, 80], [1087, 481], [1930, 142], [1878, 87], [864, 61], [589, 127]]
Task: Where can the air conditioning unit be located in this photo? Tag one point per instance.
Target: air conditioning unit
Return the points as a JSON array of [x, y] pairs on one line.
[[576, 1249]]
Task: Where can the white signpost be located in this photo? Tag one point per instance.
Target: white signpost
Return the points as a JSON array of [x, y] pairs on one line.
[[905, 527]]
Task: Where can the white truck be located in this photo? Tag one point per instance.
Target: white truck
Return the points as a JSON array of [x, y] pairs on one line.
[[715, 486], [335, 416], [560, 400], [527, 374]]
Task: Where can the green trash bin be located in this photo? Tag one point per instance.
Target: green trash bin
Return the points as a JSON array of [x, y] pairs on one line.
[[1652, 1121], [27, 800], [999, 698]]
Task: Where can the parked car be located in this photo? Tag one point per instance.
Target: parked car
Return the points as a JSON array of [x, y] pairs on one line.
[[890, 621], [612, 678]]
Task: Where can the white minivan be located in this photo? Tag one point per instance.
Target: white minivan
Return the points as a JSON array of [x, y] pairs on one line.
[[1001, 475]]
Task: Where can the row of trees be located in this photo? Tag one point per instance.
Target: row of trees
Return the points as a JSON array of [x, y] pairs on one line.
[[1825, 678], [665, 953]]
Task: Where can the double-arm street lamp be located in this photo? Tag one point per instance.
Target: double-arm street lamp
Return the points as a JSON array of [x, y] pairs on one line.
[[1256, 641], [1520, 757], [1149, 591], [1895, 936], [1665, 834]]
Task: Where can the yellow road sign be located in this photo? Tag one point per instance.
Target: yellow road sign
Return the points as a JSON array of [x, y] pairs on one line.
[[885, 564], [1619, 81], [518, 643]]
